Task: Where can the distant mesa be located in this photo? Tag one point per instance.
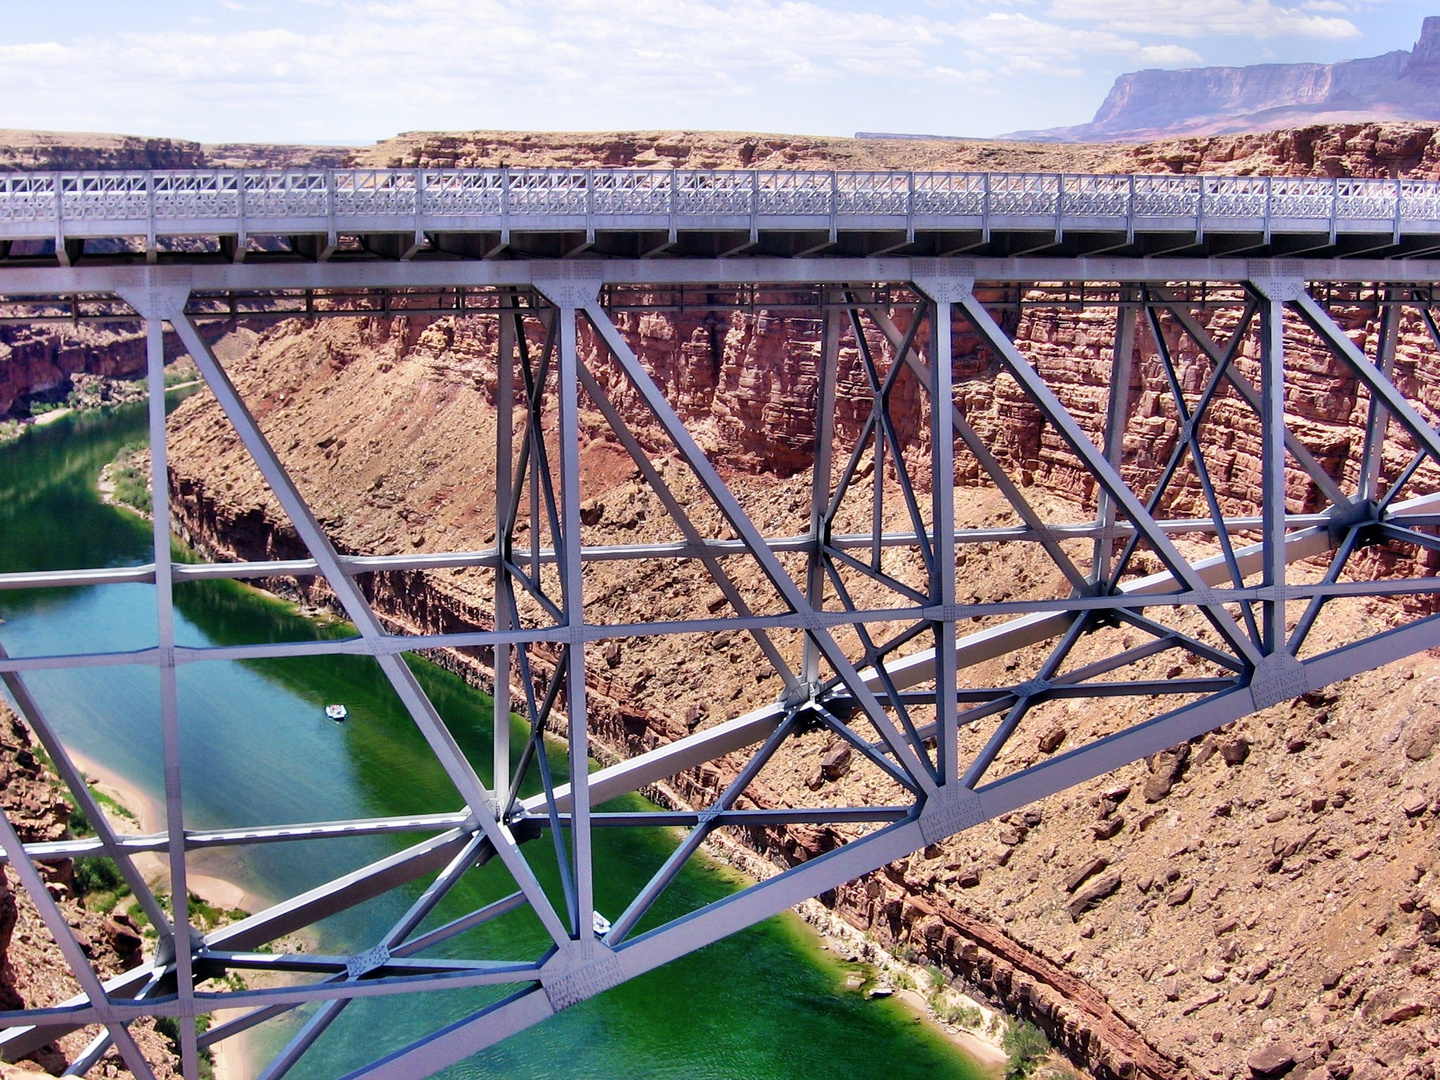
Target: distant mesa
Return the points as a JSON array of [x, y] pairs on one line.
[[1151, 104]]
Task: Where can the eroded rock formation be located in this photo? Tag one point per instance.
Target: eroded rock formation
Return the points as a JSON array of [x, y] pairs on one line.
[[1154, 103]]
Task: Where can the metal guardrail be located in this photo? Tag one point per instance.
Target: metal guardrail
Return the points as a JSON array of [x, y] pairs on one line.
[[80, 204]]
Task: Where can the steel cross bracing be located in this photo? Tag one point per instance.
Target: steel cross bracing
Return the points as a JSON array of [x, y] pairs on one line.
[[401, 214], [869, 614]]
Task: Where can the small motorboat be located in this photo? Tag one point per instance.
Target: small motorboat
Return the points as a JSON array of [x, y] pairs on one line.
[[600, 924], [336, 712]]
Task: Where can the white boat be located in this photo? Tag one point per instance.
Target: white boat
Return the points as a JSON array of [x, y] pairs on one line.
[[336, 712], [600, 924]]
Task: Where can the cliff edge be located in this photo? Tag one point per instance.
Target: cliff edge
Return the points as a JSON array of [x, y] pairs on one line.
[[1155, 103]]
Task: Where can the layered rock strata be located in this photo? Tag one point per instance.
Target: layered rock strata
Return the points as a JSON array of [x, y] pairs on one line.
[[1144, 105]]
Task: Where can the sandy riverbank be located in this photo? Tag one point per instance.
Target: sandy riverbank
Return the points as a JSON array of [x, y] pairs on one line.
[[232, 1058], [843, 940]]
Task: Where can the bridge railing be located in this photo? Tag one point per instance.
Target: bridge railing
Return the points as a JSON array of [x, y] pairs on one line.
[[317, 200]]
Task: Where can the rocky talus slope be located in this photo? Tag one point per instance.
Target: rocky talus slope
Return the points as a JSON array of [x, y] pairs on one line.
[[32, 970]]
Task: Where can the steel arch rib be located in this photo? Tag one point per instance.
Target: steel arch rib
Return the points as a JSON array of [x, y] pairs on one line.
[[945, 797]]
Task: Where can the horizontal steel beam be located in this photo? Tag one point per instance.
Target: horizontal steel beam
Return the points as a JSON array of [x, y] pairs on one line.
[[20, 281], [489, 558]]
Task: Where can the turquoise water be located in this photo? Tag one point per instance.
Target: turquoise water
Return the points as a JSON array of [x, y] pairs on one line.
[[766, 1004]]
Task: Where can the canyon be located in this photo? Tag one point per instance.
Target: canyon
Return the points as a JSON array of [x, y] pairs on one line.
[[1264, 900], [1154, 103], [1227, 852]]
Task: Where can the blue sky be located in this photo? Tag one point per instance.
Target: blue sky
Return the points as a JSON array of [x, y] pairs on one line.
[[354, 71]]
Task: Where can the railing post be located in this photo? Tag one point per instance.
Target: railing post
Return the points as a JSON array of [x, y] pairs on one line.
[[1059, 207], [985, 208], [332, 236], [754, 206], [674, 203], [834, 205], [1399, 198], [60, 253], [1269, 195], [1200, 211], [504, 205], [589, 206], [1334, 205], [910, 208], [1130, 213], [151, 254]]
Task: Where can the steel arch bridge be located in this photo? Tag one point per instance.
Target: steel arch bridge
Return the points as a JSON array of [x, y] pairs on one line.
[[891, 264]]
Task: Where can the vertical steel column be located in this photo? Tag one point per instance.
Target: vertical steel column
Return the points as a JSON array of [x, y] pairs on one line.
[[1272, 469], [573, 591], [504, 452], [942, 531], [1372, 460], [827, 373], [1118, 415], [181, 939], [404, 682]]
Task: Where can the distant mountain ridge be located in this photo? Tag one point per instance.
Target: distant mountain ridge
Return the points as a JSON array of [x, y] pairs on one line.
[[1149, 104]]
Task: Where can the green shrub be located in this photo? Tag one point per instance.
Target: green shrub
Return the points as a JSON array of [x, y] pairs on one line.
[[131, 489], [1025, 1047], [949, 1011], [169, 1026], [937, 977], [94, 874], [80, 824]]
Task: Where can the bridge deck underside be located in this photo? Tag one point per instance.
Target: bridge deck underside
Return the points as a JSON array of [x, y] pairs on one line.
[[1243, 591]]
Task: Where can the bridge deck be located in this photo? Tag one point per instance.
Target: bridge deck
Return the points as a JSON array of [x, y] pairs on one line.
[[333, 214]]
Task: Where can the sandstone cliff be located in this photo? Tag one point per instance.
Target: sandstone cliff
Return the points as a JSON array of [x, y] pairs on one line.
[[38, 361], [73, 151], [1264, 97]]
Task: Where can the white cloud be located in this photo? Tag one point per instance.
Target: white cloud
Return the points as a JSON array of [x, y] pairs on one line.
[[1020, 43], [1201, 18], [429, 58], [346, 70], [1170, 55]]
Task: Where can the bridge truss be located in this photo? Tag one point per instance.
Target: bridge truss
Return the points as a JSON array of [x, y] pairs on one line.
[[871, 628]]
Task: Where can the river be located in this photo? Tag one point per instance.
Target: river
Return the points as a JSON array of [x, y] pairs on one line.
[[766, 1004]]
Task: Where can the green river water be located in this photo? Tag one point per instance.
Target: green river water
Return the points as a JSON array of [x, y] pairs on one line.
[[766, 1004]]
